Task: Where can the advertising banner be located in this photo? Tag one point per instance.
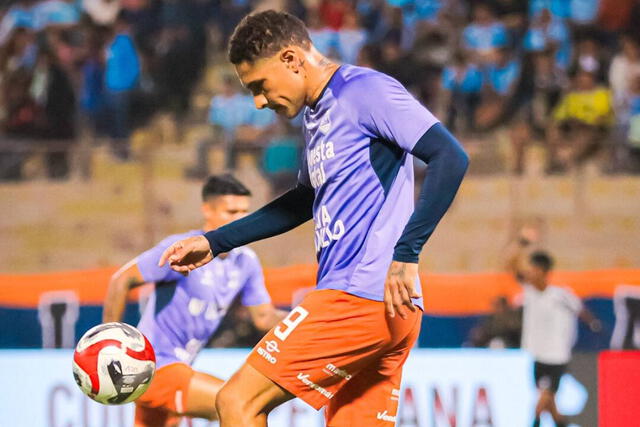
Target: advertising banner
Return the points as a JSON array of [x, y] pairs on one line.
[[441, 388]]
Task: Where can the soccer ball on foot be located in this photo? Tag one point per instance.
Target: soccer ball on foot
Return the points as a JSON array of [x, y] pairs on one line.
[[113, 363]]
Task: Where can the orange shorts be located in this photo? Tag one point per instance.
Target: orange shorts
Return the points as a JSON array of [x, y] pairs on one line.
[[165, 396], [340, 350]]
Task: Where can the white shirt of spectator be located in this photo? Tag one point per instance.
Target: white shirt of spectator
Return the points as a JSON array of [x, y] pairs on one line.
[[549, 323]]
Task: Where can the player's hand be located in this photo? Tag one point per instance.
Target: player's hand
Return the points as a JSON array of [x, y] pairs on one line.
[[187, 254], [399, 288], [595, 326]]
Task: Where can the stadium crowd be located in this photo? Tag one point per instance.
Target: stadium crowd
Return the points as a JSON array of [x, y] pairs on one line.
[[563, 75]]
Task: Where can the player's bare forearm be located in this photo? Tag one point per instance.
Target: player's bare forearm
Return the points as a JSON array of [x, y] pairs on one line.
[[115, 301], [266, 316], [592, 321], [399, 288], [121, 282]]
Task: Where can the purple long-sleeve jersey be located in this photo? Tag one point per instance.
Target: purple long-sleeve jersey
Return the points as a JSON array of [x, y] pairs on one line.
[[358, 136]]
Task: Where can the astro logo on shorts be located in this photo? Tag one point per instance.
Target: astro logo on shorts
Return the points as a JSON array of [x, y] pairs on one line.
[[272, 347]]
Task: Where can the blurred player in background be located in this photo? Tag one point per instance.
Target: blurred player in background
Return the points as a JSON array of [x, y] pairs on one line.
[[185, 311], [346, 343], [550, 316]]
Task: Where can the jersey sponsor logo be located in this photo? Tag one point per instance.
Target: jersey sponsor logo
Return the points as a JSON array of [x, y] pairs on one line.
[[325, 125], [384, 416], [332, 369], [315, 162], [211, 309], [327, 229], [267, 356], [306, 381]]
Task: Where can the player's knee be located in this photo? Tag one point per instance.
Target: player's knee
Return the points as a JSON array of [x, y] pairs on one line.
[[229, 403]]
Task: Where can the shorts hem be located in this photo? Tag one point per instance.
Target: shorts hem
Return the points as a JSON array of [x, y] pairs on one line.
[[279, 382]]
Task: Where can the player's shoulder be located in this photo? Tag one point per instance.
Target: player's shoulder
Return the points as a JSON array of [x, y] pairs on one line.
[[562, 291], [360, 82]]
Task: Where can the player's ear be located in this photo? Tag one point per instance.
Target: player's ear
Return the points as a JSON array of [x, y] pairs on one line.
[[291, 59]]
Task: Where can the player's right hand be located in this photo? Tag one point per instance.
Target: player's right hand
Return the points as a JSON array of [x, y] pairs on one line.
[[187, 254]]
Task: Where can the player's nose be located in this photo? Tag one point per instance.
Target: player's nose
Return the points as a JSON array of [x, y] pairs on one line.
[[260, 101]]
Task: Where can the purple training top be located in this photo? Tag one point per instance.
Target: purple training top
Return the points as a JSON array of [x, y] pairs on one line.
[[357, 138], [183, 312]]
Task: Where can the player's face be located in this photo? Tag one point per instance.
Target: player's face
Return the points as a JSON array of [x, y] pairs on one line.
[[222, 210], [276, 82], [534, 274]]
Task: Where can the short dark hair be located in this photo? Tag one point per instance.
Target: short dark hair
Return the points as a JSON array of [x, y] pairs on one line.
[[263, 34], [542, 260], [223, 185]]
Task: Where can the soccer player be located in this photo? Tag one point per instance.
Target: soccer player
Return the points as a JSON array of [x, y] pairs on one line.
[[339, 347], [184, 311], [549, 322]]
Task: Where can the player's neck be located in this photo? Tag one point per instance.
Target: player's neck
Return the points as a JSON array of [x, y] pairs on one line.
[[541, 286], [319, 71]]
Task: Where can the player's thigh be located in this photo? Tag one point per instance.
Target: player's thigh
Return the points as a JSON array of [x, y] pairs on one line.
[[368, 399], [200, 401], [250, 392]]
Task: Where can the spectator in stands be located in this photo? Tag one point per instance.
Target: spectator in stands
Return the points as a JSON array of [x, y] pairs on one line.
[[625, 67], [485, 34], [54, 95], [500, 329], [623, 73], [584, 12], [633, 133], [332, 12], [351, 38], [397, 63], [549, 322], [178, 55], [558, 8], [324, 38], [92, 96], [462, 84], [591, 57], [237, 126], [543, 83], [501, 76], [549, 33], [513, 13], [122, 72], [581, 122]]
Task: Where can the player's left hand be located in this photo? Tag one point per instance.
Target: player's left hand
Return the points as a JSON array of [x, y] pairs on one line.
[[399, 288], [187, 254], [595, 325]]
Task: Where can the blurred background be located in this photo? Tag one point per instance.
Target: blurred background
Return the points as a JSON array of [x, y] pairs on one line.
[[113, 112]]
